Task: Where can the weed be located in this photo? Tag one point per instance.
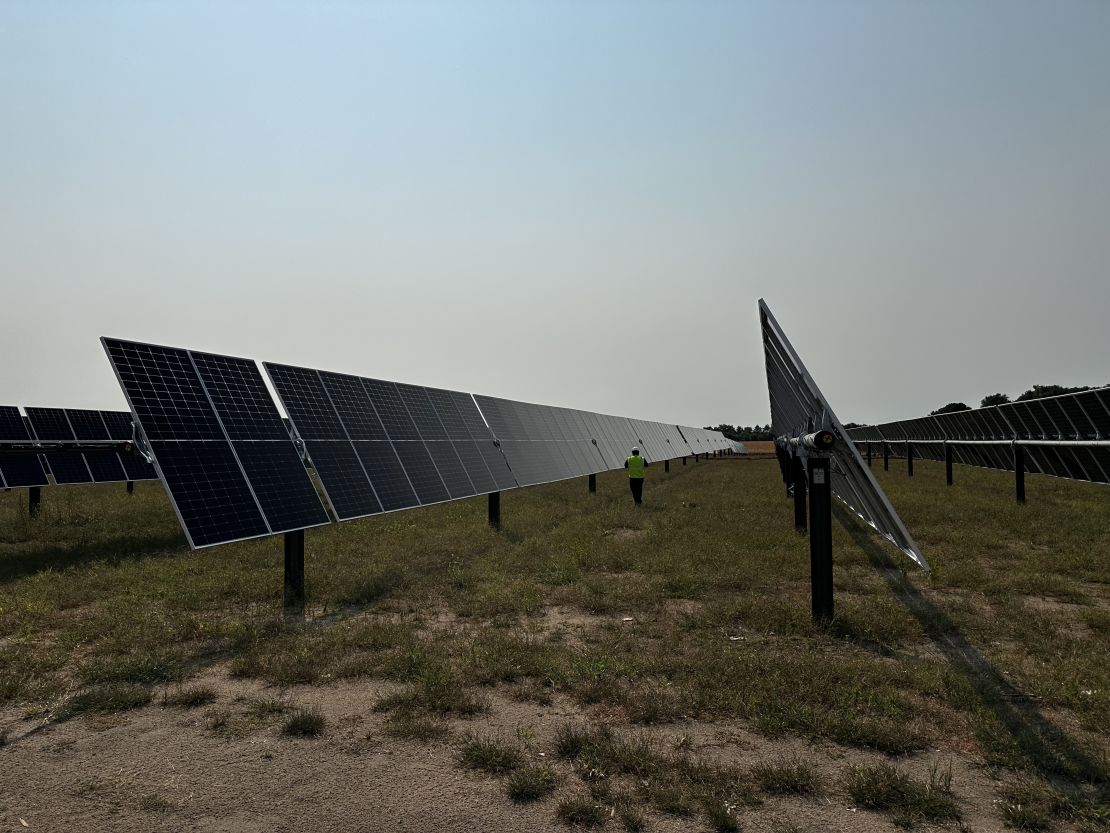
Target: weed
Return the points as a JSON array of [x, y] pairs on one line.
[[789, 776], [720, 817], [490, 755], [531, 783], [438, 692], [580, 812], [304, 722], [104, 699], [413, 727], [882, 787], [632, 819], [189, 698]]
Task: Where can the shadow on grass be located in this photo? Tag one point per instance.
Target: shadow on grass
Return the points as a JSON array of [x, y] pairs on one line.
[[1044, 747], [112, 550]]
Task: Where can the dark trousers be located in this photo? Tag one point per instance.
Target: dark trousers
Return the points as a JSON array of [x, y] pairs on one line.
[[636, 484]]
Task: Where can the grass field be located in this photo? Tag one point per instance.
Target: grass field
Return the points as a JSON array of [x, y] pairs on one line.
[[591, 664]]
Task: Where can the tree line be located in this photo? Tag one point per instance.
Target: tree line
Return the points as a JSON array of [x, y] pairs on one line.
[[1035, 392], [743, 433]]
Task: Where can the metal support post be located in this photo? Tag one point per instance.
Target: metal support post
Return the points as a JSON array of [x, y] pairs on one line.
[[34, 500], [820, 539], [495, 510], [684, 461], [869, 455], [1019, 473], [666, 467], [130, 487], [593, 484], [886, 457], [948, 464], [294, 569], [797, 469], [909, 459]]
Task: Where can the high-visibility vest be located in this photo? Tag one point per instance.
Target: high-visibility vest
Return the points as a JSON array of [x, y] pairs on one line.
[[635, 467]]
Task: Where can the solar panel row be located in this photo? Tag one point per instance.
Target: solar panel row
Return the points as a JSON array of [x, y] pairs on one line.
[[1057, 422], [379, 446], [68, 467], [798, 407], [544, 443], [234, 470]]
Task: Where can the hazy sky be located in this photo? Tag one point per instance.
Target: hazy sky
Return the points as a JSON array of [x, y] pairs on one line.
[[570, 203]]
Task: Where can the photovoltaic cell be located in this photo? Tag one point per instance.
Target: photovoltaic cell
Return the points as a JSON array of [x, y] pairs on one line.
[[351, 402], [165, 392], [389, 478], [419, 406], [243, 405], [136, 468], [306, 401], [450, 469], [105, 466], [342, 476], [87, 425], [18, 470], [50, 424], [391, 410], [475, 466], [284, 491], [118, 424], [422, 472], [444, 403], [210, 492]]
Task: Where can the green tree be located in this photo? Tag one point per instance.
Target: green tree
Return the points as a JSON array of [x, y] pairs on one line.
[[994, 399], [1041, 391], [951, 408]]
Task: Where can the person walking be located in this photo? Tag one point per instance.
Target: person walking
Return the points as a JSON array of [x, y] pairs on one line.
[[636, 465]]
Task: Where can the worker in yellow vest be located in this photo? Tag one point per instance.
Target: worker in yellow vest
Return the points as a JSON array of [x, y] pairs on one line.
[[636, 465]]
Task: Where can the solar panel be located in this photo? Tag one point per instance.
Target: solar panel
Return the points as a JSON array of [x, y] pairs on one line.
[[87, 425], [798, 407], [391, 483], [1068, 425], [52, 425], [67, 467], [105, 466], [218, 441], [18, 470]]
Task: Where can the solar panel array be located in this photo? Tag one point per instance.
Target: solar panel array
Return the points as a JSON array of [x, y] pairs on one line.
[[47, 425], [798, 407], [219, 444], [378, 446], [545, 443], [1058, 434], [234, 468]]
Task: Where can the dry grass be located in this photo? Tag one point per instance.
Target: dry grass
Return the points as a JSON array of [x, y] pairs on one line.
[[1004, 649]]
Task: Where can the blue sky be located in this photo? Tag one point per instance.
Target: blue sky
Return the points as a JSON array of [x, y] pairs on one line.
[[572, 203]]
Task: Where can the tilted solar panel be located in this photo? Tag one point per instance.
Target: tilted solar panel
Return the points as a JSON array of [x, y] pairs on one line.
[[52, 425], [798, 407], [18, 470], [1070, 426], [218, 442]]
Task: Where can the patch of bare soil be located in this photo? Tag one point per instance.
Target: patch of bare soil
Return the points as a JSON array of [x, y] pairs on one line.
[[623, 533], [164, 769]]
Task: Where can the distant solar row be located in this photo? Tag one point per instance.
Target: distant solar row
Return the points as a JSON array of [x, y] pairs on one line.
[[233, 469], [47, 425], [798, 408], [1058, 433]]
